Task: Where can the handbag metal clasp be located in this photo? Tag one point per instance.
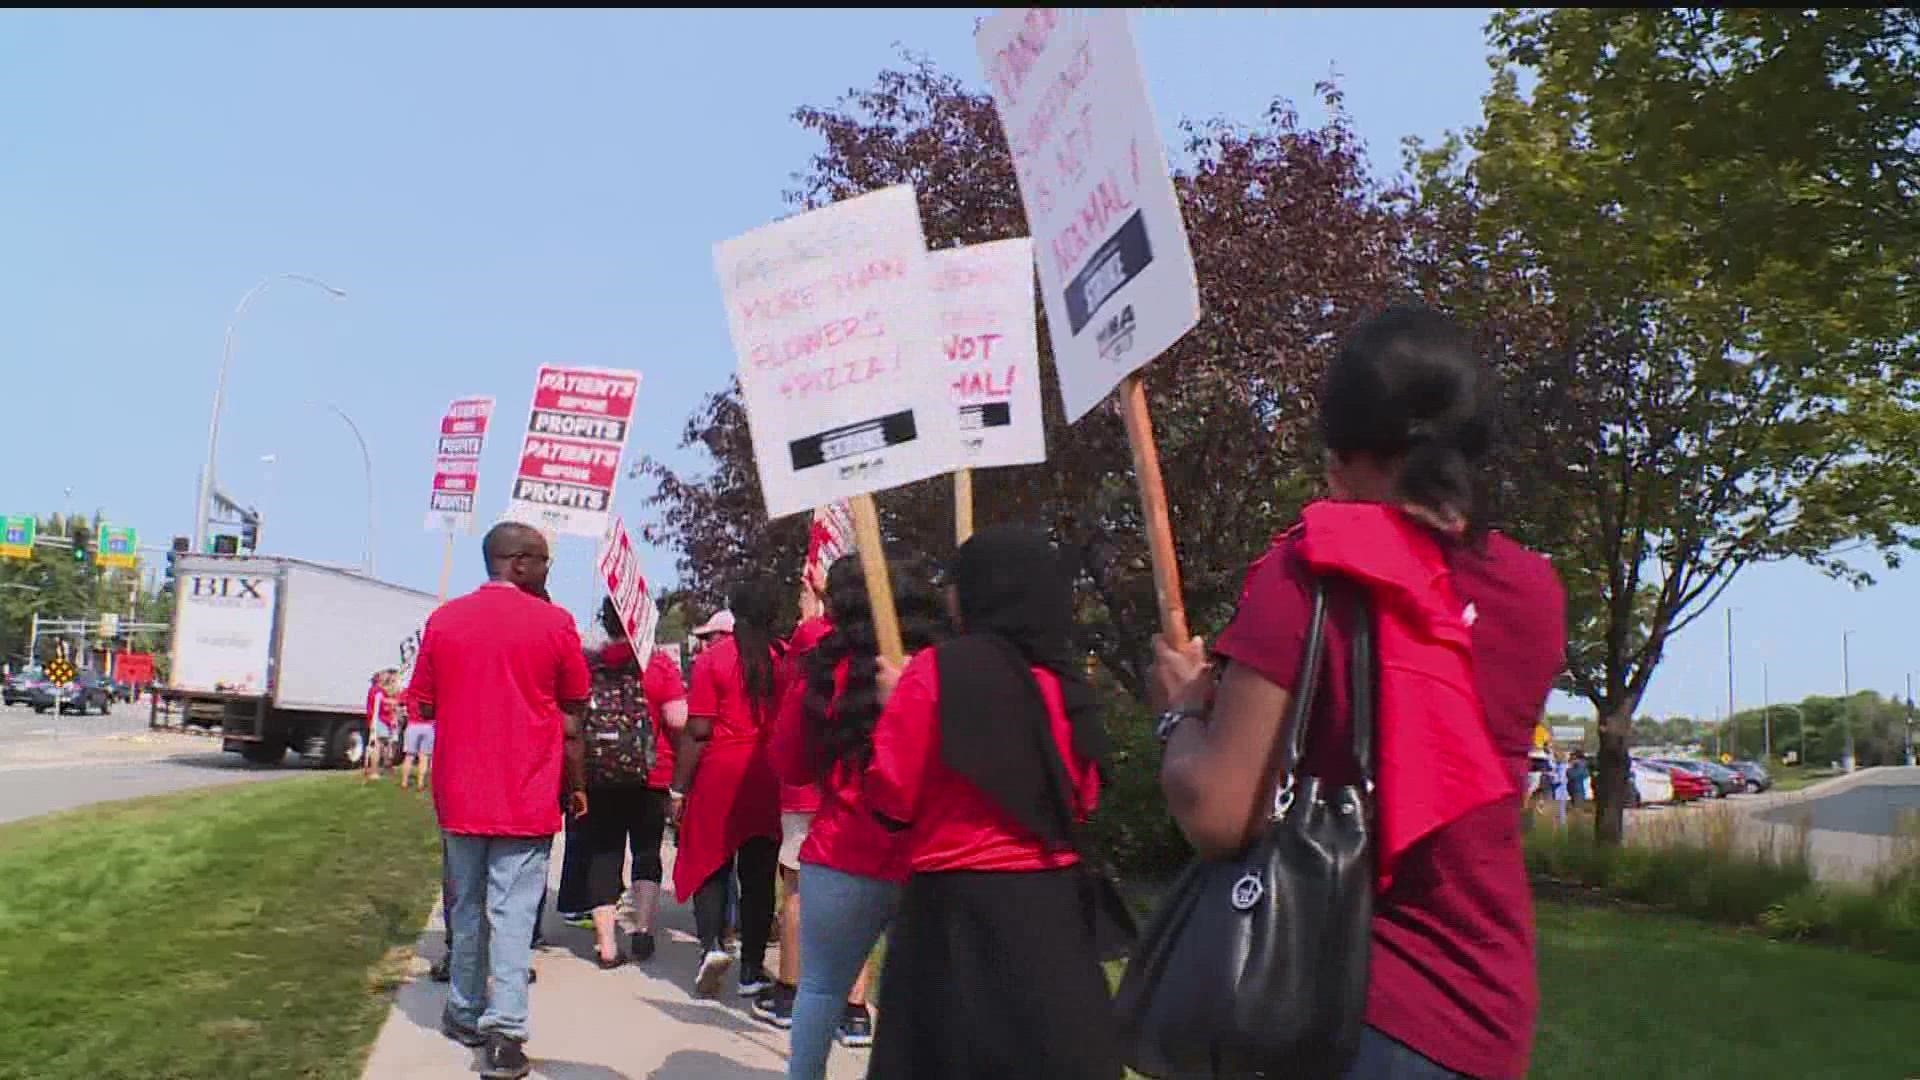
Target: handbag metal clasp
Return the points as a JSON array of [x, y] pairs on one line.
[[1283, 799], [1248, 891]]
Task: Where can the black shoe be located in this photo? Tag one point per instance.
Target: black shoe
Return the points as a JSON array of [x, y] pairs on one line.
[[442, 970], [776, 1006], [754, 981], [459, 1032], [642, 947], [505, 1060]]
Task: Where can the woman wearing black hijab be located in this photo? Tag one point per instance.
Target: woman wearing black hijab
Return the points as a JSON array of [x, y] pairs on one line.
[[988, 754]]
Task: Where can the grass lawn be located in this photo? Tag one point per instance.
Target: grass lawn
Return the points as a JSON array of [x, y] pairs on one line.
[[1654, 997], [247, 931], [1650, 996], [1793, 778]]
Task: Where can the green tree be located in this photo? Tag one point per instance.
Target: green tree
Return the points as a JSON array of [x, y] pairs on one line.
[[56, 585], [1718, 209]]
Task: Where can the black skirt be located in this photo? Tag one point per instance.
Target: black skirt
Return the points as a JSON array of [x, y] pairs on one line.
[[994, 975]]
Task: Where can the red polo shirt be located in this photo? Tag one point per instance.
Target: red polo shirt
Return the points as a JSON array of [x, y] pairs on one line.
[[662, 686], [495, 667], [803, 798]]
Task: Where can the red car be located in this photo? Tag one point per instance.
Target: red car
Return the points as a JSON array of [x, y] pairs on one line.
[[1687, 784]]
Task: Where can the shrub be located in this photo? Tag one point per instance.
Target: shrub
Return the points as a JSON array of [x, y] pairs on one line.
[[1133, 825]]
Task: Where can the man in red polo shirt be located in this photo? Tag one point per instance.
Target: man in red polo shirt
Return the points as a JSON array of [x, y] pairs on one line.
[[502, 677]]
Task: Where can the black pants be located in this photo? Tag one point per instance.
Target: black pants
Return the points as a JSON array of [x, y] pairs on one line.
[[446, 901], [754, 863], [620, 818], [575, 857]]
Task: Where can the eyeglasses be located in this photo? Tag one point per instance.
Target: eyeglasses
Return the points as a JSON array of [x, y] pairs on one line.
[[518, 555]]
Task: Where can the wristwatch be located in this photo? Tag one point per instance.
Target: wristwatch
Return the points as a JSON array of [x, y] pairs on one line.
[[1170, 719]]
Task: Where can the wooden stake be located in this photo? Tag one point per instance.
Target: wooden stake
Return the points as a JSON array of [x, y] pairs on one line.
[[962, 506], [446, 567], [873, 560], [1153, 508]]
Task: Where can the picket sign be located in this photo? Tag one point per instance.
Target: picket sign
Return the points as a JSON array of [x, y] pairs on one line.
[[619, 569], [1116, 271], [830, 313], [983, 296]]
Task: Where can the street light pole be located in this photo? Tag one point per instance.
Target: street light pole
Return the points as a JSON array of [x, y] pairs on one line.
[[1846, 701], [1909, 755], [366, 461], [204, 505], [1733, 733]]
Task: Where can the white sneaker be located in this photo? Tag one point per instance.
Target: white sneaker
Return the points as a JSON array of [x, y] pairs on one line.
[[713, 971]]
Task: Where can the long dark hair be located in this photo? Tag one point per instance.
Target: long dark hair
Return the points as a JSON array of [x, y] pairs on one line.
[[842, 728], [1407, 384], [754, 605]]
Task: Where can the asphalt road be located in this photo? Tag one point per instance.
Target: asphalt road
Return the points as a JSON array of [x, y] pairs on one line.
[[50, 763], [1874, 807]]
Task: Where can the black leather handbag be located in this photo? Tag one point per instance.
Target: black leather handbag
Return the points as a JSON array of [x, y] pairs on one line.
[[1257, 966]]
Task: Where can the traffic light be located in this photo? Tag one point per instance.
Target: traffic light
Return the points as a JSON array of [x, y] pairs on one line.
[[250, 536], [82, 544], [181, 545], [226, 544]]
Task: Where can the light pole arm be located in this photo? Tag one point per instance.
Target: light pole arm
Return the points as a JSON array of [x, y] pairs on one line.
[[366, 461]]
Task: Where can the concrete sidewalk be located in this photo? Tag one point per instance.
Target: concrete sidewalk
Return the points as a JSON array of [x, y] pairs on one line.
[[627, 1024]]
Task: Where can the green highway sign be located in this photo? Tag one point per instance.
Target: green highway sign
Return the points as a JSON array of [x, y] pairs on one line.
[[16, 539]]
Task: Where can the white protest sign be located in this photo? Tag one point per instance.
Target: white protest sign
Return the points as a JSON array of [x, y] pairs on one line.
[[839, 361], [985, 298], [1116, 271], [619, 568], [829, 539]]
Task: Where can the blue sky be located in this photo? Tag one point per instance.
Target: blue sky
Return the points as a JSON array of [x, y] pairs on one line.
[[500, 189]]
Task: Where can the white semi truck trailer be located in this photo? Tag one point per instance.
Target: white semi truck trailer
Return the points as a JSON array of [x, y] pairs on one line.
[[278, 653]]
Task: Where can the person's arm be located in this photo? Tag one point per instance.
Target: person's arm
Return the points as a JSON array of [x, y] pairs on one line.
[[703, 705], [1214, 773], [905, 740], [420, 687], [573, 692], [788, 747]]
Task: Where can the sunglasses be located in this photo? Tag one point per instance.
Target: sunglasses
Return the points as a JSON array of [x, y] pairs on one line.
[[518, 555]]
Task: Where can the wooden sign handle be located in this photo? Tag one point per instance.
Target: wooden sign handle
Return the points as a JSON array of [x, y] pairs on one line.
[[962, 506], [873, 560], [1153, 509], [446, 567]]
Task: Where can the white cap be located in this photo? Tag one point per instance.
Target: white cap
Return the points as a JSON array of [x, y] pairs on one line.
[[721, 623]]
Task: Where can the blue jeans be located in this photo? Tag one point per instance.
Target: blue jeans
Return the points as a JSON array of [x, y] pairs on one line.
[[843, 916], [497, 884], [1382, 1057]]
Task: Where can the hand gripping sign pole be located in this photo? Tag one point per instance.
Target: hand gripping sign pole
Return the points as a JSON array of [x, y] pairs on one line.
[[1116, 272]]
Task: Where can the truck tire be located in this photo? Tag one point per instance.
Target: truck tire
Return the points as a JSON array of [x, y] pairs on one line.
[[263, 753], [348, 747]]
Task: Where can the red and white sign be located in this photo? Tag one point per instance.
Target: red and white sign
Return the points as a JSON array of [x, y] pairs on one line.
[[830, 538], [570, 459], [619, 568], [456, 464]]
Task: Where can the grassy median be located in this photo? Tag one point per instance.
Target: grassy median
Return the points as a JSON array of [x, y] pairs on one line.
[[239, 932]]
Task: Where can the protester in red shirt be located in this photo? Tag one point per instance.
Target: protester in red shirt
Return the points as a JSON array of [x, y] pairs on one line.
[[987, 753], [798, 804], [1471, 630], [502, 677], [730, 819], [851, 867]]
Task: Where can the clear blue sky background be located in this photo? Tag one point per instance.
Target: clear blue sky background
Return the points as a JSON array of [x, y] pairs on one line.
[[501, 189]]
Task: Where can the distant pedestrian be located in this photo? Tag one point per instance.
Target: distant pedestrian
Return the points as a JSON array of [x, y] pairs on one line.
[[417, 745], [1578, 774], [380, 716], [502, 676], [1561, 785], [730, 817]]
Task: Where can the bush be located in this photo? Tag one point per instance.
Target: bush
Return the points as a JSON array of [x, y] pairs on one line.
[[1132, 825], [1698, 866]]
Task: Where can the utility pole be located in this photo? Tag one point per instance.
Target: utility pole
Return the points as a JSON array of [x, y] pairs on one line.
[[1846, 703], [1766, 713], [1733, 734], [1909, 755]]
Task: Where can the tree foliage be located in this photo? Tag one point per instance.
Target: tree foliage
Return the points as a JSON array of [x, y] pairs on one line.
[[57, 586], [1717, 210], [1293, 241]]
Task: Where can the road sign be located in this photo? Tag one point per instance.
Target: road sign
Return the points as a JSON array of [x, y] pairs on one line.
[[1569, 734], [16, 536], [109, 625], [60, 671], [118, 547]]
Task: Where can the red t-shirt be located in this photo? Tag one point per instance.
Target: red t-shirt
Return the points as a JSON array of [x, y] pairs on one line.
[[720, 691], [952, 824], [495, 667], [802, 797], [662, 686], [376, 706], [1453, 941], [844, 835]]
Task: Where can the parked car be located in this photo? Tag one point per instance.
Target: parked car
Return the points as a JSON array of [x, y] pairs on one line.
[[1755, 774], [1687, 786], [1722, 781], [18, 689], [87, 691], [1650, 786]]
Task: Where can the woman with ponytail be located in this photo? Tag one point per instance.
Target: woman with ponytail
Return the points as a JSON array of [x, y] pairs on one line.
[[730, 819], [851, 868], [1470, 628]]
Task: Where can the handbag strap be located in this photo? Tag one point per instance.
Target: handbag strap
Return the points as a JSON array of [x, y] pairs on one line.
[[1362, 678]]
